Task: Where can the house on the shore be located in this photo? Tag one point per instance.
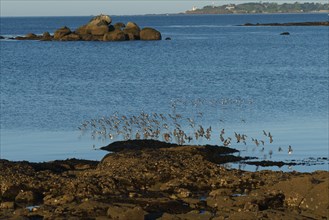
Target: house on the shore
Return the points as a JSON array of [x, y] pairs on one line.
[[230, 7]]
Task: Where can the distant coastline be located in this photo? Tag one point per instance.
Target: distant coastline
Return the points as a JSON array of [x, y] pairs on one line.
[[261, 8]]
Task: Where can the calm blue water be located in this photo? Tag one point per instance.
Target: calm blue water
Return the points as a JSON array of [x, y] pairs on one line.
[[243, 79]]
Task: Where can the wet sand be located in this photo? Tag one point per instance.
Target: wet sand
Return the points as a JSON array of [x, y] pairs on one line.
[[156, 180]]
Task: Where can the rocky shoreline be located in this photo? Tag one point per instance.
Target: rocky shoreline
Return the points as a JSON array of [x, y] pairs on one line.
[[155, 180], [98, 28]]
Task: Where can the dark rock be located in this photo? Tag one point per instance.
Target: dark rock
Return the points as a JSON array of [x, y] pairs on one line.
[[25, 197], [1, 37], [18, 38], [59, 200], [10, 193], [266, 163], [71, 37], [46, 36], [132, 34], [168, 38], [126, 213], [150, 34], [119, 25], [285, 33], [31, 36], [60, 33], [132, 31], [111, 28], [136, 145], [7, 205], [116, 35]]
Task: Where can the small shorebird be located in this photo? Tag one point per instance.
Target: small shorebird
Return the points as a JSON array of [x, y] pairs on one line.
[[137, 136], [222, 139], [166, 137], [271, 137], [290, 150], [238, 137]]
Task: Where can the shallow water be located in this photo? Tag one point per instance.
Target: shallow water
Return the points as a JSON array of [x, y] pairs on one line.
[[243, 79]]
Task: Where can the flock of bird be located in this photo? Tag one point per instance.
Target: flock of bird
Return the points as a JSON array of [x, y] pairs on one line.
[[173, 128]]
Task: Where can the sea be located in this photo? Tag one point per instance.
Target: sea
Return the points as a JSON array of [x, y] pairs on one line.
[[61, 100]]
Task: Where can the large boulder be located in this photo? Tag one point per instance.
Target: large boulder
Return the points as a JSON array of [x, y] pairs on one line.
[[99, 30], [132, 25], [119, 25], [60, 33], [100, 19], [132, 31], [150, 34], [97, 26], [116, 35]]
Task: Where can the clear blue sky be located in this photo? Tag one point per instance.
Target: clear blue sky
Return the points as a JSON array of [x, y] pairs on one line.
[[111, 7]]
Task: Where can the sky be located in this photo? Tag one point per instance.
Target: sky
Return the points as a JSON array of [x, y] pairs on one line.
[[110, 7]]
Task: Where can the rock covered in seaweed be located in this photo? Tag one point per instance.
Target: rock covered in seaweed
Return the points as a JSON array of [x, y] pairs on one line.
[[147, 179]]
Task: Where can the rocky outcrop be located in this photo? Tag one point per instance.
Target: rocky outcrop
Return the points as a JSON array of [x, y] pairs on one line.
[[71, 37], [29, 36], [99, 28], [61, 33], [46, 36], [156, 180], [150, 34], [100, 20]]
